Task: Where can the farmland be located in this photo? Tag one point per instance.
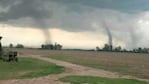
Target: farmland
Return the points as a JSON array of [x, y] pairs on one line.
[[123, 63], [79, 67], [133, 64]]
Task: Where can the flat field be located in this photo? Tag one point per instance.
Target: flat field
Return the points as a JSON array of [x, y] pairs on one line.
[[27, 68], [133, 64], [98, 80]]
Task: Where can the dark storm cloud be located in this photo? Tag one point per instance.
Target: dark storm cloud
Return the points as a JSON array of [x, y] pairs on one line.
[[41, 14], [76, 15], [120, 5], [5, 3], [36, 9], [26, 13], [62, 13], [22, 9]]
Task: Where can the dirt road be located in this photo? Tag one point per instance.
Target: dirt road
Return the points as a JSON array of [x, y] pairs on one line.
[[70, 69]]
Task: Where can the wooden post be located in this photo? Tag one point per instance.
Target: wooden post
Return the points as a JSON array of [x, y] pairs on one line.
[[0, 48]]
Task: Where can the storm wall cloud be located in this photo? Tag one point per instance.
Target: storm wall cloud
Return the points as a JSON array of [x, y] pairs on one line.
[[79, 15]]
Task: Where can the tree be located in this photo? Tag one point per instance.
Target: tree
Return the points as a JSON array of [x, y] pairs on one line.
[[11, 45], [97, 48], [19, 46], [107, 47], [139, 50], [58, 47], [119, 48]]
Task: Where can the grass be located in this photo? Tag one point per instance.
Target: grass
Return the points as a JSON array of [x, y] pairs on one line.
[[135, 64], [27, 68], [98, 80], [122, 63]]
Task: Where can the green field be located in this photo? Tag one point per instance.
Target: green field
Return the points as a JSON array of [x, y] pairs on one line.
[[27, 68], [98, 80]]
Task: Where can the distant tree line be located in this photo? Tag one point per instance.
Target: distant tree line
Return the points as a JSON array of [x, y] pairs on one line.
[[43, 46], [119, 49], [16, 46], [141, 50], [51, 46]]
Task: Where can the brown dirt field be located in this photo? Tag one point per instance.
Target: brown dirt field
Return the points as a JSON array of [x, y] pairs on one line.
[[73, 69]]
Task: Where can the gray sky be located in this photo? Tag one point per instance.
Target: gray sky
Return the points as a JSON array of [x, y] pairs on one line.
[[128, 20]]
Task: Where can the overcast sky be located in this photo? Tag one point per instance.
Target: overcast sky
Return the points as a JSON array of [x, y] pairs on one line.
[[75, 23]]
